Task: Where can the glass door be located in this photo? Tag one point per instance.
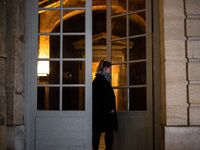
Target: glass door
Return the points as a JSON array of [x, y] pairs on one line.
[[130, 51], [60, 87]]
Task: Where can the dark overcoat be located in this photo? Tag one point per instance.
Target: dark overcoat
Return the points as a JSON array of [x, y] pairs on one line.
[[103, 103]]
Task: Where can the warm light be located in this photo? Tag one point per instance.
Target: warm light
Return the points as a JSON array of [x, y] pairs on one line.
[[94, 69], [43, 68]]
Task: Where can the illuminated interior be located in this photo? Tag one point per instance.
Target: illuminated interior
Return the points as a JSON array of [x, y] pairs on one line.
[[50, 23], [43, 52]]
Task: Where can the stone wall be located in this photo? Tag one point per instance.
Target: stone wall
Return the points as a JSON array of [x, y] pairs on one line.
[[14, 79], [182, 73], [2, 75], [193, 55]]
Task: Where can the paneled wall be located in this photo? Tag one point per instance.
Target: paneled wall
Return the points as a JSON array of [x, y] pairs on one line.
[[193, 56]]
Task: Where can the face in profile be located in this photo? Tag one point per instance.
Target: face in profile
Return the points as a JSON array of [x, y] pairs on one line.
[[108, 70]]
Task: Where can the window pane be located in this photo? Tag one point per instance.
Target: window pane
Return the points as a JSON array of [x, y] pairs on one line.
[[48, 98], [138, 50], [49, 46], [119, 75], [137, 24], [135, 5], [49, 3], [73, 72], [74, 47], [73, 98], [138, 99], [118, 7], [74, 21], [119, 51], [118, 26], [121, 99], [74, 3], [137, 73], [48, 72], [48, 21]]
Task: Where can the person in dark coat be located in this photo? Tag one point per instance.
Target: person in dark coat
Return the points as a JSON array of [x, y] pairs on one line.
[[104, 109]]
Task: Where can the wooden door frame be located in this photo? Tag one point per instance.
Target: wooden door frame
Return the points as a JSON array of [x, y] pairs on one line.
[[157, 98]]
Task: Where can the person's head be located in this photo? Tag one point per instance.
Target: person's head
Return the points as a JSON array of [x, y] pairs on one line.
[[104, 66]]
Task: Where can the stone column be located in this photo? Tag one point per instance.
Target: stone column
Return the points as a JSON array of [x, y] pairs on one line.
[[15, 11], [181, 36], [2, 75]]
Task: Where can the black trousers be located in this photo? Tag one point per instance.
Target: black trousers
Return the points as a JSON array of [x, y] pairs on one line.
[[108, 139]]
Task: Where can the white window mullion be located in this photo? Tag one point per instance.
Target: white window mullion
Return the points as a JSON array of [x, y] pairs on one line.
[[61, 53], [127, 38]]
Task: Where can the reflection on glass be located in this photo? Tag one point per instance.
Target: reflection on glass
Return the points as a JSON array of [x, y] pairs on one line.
[[48, 98], [137, 24], [137, 99], [49, 3], [74, 21], [119, 51], [138, 51], [118, 7], [73, 98], [48, 20], [118, 26], [74, 3], [49, 46], [137, 73], [48, 72], [135, 5], [119, 75], [73, 72], [121, 99], [74, 47]]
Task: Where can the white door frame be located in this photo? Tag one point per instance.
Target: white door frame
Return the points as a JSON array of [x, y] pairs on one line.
[[30, 91], [30, 31], [149, 63]]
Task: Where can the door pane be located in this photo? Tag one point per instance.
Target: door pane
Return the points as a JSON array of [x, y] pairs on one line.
[[118, 26], [137, 73], [75, 23], [121, 99], [119, 51], [74, 46], [137, 99], [48, 19], [48, 98], [138, 50], [49, 46], [73, 72], [48, 72], [73, 98], [137, 24], [49, 3], [119, 75], [74, 3], [118, 7], [135, 5]]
